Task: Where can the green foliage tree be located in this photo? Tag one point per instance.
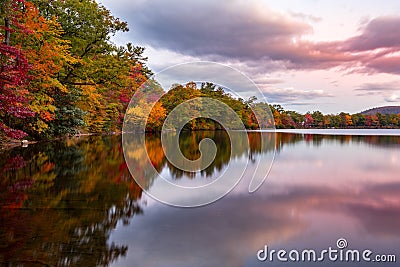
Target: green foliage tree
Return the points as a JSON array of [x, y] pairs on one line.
[[382, 119], [318, 119]]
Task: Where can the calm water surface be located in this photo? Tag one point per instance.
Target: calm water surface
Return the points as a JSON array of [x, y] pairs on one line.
[[74, 203]]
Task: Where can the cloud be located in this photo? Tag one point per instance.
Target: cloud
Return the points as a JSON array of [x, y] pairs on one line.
[[294, 104], [305, 17], [164, 58], [393, 98], [381, 32], [267, 81], [380, 87], [388, 64], [252, 33], [237, 30], [292, 95], [377, 46], [244, 30], [389, 90]]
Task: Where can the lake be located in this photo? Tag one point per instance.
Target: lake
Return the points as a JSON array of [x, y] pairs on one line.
[[75, 203]]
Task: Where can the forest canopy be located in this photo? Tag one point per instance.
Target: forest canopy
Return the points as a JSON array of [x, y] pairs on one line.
[[246, 110], [60, 72]]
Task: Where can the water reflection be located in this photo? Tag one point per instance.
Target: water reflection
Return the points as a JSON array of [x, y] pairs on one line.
[[321, 188], [189, 146], [60, 201], [74, 203]]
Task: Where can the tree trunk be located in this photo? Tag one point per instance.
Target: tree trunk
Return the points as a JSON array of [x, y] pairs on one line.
[[7, 31]]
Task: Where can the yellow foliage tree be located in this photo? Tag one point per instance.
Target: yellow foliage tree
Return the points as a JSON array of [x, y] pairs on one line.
[[48, 53]]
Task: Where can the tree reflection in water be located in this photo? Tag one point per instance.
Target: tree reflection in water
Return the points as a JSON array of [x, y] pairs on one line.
[[60, 201]]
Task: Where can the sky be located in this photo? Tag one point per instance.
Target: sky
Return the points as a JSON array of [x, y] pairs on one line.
[[306, 55]]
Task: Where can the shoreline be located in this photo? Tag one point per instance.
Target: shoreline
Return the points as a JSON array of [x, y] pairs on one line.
[[338, 131], [10, 144], [13, 143]]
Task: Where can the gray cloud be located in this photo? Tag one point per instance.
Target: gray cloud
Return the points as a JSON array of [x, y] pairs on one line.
[[292, 95], [237, 30], [217, 31], [389, 90], [250, 32], [380, 87], [294, 104], [267, 81]]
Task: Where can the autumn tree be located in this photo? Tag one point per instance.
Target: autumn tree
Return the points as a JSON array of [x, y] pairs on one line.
[[345, 120], [264, 116], [14, 78], [48, 54], [277, 119], [318, 119], [382, 119], [358, 119], [308, 120], [104, 77], [179, 94]]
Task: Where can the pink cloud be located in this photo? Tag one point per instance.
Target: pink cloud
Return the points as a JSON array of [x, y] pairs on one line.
[[253, 33], [381, 32], [388, 64]]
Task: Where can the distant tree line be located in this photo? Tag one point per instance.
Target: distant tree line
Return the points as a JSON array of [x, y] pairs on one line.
[[283, 119], [292, 119]]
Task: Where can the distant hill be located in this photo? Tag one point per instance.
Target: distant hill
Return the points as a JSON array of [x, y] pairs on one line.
[[382, 110]]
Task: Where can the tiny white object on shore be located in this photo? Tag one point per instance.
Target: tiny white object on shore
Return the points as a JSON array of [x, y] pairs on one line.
[[24, 143]]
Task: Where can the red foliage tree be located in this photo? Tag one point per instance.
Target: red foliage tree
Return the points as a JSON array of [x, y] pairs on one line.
[[308, 120], [14, 77]]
